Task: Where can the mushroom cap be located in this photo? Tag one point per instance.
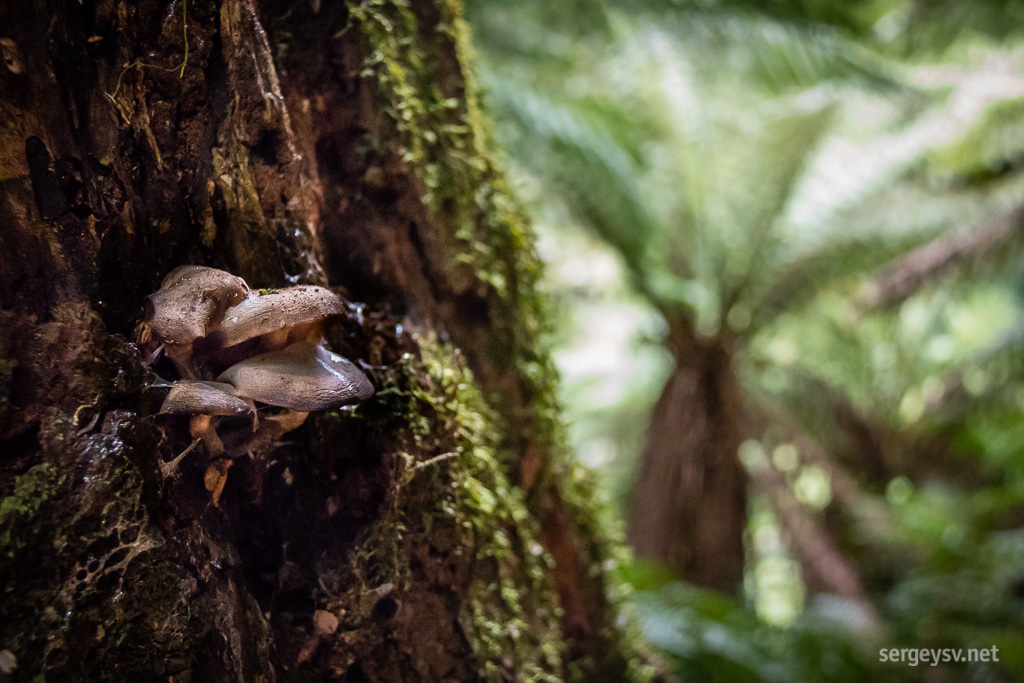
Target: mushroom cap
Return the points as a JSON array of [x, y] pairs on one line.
[[264, 313], [303, 376], [189, 303], [204, 398]]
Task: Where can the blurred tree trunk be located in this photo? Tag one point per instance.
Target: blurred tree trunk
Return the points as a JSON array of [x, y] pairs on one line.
[[430, 534], [689, 501]]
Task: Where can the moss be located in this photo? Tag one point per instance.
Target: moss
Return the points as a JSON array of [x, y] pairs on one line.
[[439, 136], [514, 608], [444, 139], [603, 534], [19, 510], [459, 496], [487, 250]]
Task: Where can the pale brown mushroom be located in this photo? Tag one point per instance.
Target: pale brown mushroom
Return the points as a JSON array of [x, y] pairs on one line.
[[189, 304], [202, 401], [302, 376], [192, 397], [279, 317]]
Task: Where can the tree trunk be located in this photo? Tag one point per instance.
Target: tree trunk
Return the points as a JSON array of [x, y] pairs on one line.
[[689, 501], [430, 534]]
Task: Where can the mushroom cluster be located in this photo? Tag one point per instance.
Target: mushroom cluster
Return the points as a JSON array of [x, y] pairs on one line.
[[235, 347]]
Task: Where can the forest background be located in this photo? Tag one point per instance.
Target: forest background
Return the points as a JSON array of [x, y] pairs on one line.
[[783, 242]]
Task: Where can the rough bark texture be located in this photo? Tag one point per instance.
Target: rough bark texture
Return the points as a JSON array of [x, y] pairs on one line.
[[689, 504], [435, 532]]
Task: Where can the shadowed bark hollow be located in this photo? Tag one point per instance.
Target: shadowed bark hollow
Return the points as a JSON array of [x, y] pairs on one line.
[[429, 534], [689, 500]]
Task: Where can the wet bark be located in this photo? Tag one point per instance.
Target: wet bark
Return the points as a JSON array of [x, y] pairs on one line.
[[430, 534], [688, 510]]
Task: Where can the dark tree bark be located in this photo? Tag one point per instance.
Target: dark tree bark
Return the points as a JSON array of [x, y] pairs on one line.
[[689, 501], [430, 534]]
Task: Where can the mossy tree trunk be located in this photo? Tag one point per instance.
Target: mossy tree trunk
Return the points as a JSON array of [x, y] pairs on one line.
[[433, 533]]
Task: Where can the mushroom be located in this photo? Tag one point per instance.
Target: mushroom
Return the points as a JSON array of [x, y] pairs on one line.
[[215, 477], [202, 401], [279, 316], [206, 399], [189, 305], [302, 376], [212, 398]]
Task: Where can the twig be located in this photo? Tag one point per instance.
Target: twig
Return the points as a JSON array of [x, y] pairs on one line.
[[434, 460], [417, 467], [139, 64]]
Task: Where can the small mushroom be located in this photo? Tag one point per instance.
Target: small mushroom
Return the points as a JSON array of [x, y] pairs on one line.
[[279, 316], [191, 397], [189, 305], [202, 401], [302, 376]]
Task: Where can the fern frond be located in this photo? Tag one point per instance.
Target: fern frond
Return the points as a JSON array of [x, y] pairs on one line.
[[991, 146], [899, 279], [583, 150], [795, 283]]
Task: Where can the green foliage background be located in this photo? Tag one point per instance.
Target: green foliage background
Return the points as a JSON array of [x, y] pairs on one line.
[[760, 170]]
